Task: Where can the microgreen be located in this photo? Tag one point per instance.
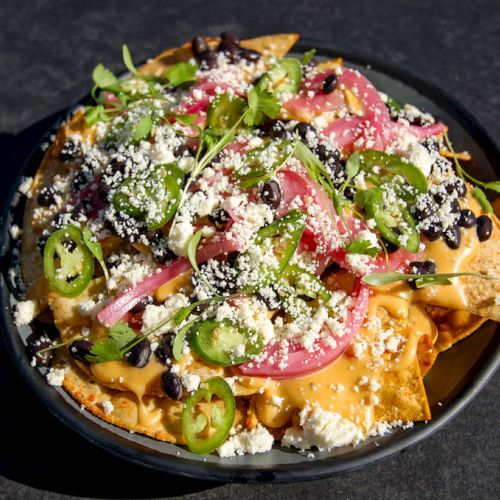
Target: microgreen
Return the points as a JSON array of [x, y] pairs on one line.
[[306, 58], [192, 246], [103, 77], [95, 247], [261, 103], [143, 128], [181, 73], [478, 193], [112, 348], [364, 247], [421, 280]]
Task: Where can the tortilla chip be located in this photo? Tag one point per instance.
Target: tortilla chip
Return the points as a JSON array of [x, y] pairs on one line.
[[402, 396], [482, 295], [452, 325], [67, 317]]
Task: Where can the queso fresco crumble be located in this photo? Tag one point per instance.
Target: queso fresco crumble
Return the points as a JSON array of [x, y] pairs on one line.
[[239, 249]]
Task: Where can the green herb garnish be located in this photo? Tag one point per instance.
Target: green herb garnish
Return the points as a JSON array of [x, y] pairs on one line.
[[478, 193], [181, 73], [95, 247], [112, 349], [421, 280]]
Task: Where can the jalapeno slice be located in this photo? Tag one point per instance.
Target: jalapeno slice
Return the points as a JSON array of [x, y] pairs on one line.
[[67, 262], [208, 416], [224, 343], [286, 233], [224, 112], [154, 196], [392, 167], [394, 221], [284, 76]]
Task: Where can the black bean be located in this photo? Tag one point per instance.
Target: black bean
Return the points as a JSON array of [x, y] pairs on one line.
[[198, 45], [232, 258], [79, 349], [37, 344], [230, 50], [271, 194], [219, 217], [460, 188], [163, 352], [208, 59], [421, 267], [183, 150], [431, 144], [79, 181], [59, 220], [116, 165], [278, 130], [484, 227], [45, 330], [269, 300], [390, 246], [104, 189], [303, 128], [423, 212], [171, 385], [70, 151], [440, 198], [47, 196], [433, 231], [41, 242], [163, 255], [349, 193], [141, 305], [330, 83], [467, 218], [229, 36], [249, 55], [334, 267], [140, 354], [454, 207], [453, 237]]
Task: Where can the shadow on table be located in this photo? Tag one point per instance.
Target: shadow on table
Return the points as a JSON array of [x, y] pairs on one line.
[[35, 448]]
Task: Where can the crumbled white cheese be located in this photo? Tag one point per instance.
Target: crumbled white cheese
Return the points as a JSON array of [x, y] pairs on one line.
[[107, 407], [25, 186], [258, 440], [322, 429], [15, 231], [55, 376], [190, 381], [25, 312]]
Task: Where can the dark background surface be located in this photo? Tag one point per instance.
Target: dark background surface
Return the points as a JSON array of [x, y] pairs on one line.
[[47, 52]]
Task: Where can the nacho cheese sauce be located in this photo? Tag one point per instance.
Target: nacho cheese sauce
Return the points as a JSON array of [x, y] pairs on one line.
[[334, 361]]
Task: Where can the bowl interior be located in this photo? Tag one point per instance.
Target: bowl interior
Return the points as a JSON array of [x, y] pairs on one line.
[[455, 378]]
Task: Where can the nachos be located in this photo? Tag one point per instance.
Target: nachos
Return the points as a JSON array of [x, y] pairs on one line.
[[231, 248]]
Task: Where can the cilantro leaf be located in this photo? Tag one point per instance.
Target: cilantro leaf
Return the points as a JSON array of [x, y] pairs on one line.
[[112, 348], [103, 77], [95, 247], [94, 114], [364, 247], [143, 128], [483, 201], [306, 58], [127, 60], [260, 103], [181, 73]]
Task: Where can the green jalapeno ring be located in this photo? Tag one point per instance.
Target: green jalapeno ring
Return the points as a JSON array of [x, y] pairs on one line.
[[220, 420], [214, 342], [76, 262]]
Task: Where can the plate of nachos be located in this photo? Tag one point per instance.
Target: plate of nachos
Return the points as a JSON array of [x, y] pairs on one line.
[[245, 259]]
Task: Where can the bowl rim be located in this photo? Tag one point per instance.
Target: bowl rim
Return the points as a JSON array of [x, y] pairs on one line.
[[306, 470]]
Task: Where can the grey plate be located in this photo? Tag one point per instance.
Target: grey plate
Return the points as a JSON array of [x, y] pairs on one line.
[[453, 382]]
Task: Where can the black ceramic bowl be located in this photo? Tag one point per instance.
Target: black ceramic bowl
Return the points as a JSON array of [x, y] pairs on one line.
[[456, 378]]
